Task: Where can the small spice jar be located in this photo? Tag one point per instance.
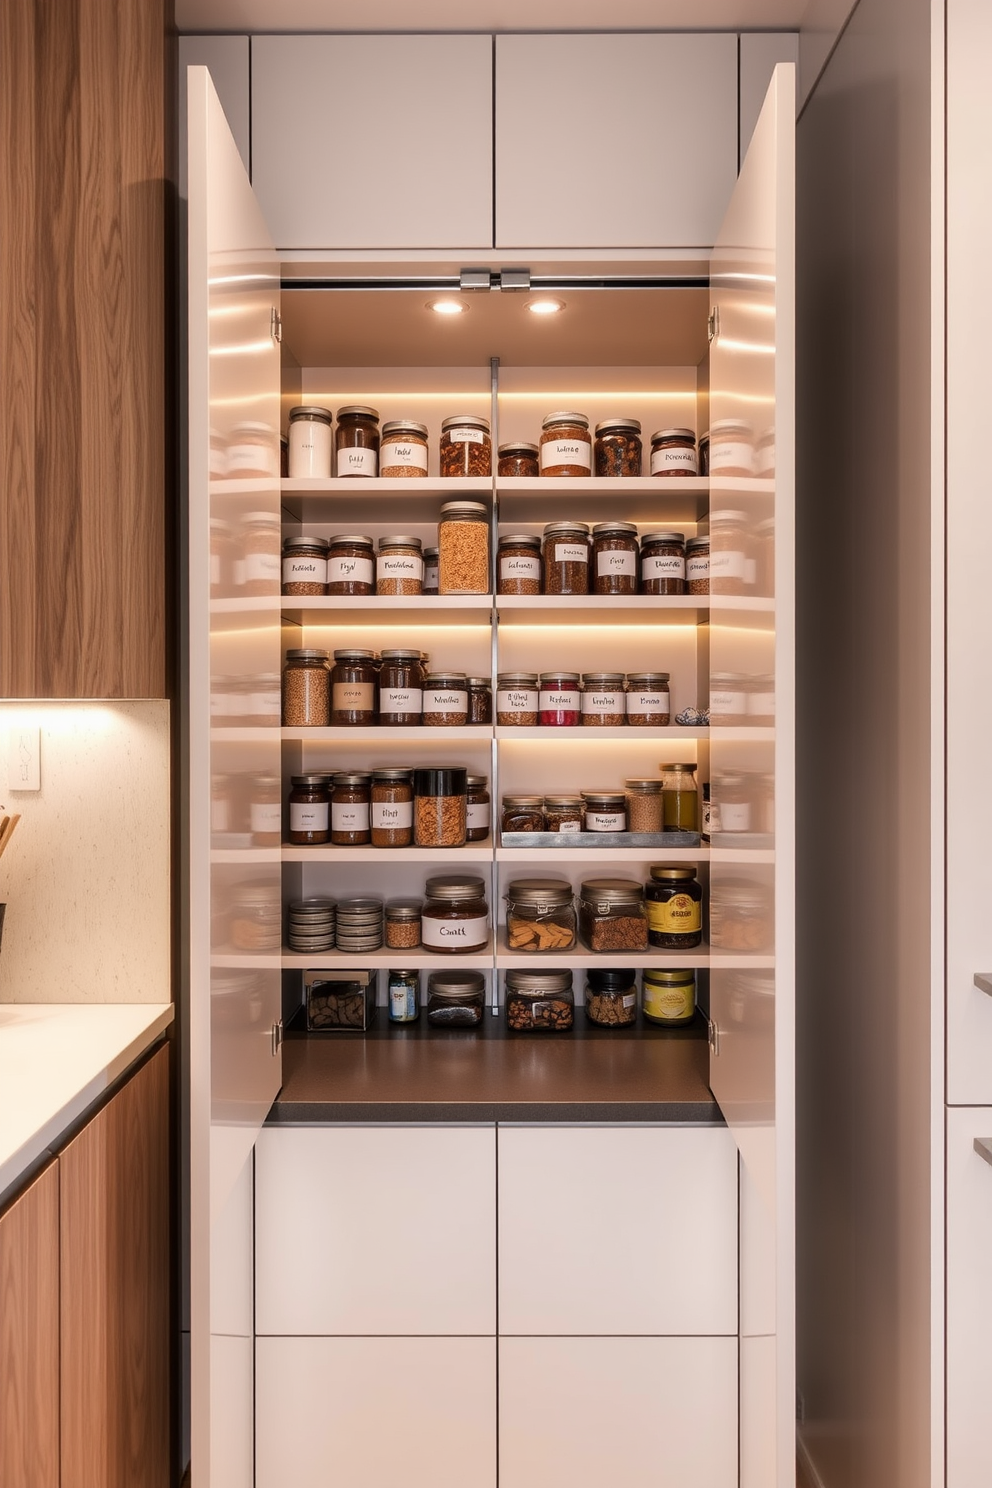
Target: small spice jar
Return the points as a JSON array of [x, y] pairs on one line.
[[455, 917], [518, 460], [517, 699], [603, 701], [310, 443], [456, 1001], [350, 809], [649, 702], [604, 811], [614, 558], [673, 452], [403, 996], [357, 441], [400, 566], [253, 452], [309, 810], [350, 564], [663, 563], [611, 998], [565, 550], [675, 908], [391, 808], [478, 809], [728, 700], [563, 813], [403, 450], [731, 451], [539, 1001], [304, 566], [402, 924], [466, 448], [540, 915], [522, 814], [431, 571], [645, 805], [480, 700], [265, 810], [518, 564], [618, 447], [741, 915], [445, 700], [697, 565], [401, 689], [463, 548], [440, 807], [681, 795], [732, 564], [566, 445], [611, 915], [306, 689], [559, 699], [260, 566], [353, 689], [669, 997]]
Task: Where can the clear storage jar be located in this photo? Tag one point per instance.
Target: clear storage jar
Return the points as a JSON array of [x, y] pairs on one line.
[[732, 562], [611, 915], [401, 919], [445, 700], [559, 701], [681, 796], [617, 450], [566, 445], [311, 441], [518, 564], [309, 810], [649, 701], [669, 997], [306, 689], [256, 918], [539, 1001], [466, 448], [265, 810], [645, 805], [673, 452], [455, 919], [728, 700], [731, 449], [522, 813], [463, 548], [519, 460], [403, 450], [253, 452], [675, 907], [603, 699], [564, 813], [400, 566], [517, 698], [611, 998], [357, 441], [351, 564], [733, 796], [614, 558], [480, 700], [565, 550], [741, 915], [261, 562], [440, 806], [540, 916], [304, 566], [340, 1001], [391, 808], [354, 681], [456, 1000], [350, 809], [663, 563]]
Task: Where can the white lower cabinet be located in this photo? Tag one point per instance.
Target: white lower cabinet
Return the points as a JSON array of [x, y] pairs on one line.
[[969, 1299], [375, 1413], [635, 1412]]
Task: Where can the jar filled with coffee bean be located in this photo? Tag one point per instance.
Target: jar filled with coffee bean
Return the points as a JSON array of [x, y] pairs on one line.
[[445, 700], [440, 807], [673, 452], [649, 702], [354, 682], [466, 448], [559, 700], [309, 810], [564, 813], [611, 998], [618, 447], [357, 441], [391, 809], [401, 689], [603, 700], [663, 563], [350, 565], [565, 549], [400, 566], [456, 1000], [480, 700], [522, 814], [350, 809], [605, 811], [697, 565], [645, 805], [539, 1001], [517, 698], [566, 445], [431, 565], [456, 916], [478, 810], [306, 689], [518, 564], [518, 460], [675, 908], [611, 915], [403, 451], [304, 566], [614, 558]]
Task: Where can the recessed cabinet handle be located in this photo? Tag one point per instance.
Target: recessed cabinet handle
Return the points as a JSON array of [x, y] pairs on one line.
[[983, 1146], [714, 1040], [983, 981]]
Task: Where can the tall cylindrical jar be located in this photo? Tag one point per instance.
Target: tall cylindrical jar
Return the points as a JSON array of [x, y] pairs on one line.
[[391, 813], [357, 441], [350, 814], [306, 689], [311, 441], [466, 448], [463, 546], [401, 689], [353, 689], [350, 564], [565, 549]]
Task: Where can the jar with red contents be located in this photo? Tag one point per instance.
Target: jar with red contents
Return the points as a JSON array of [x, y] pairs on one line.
[[560, 699]]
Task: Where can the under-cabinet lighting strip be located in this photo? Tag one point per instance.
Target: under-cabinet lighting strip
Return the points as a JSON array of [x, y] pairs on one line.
[[493, 659], [452, 283]]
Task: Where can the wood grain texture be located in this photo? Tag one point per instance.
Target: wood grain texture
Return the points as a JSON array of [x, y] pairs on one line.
[[84, 504], [115, 1290], [29, 1336]]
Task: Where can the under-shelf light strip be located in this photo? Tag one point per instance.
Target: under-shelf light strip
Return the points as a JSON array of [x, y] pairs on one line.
[[493, 672]]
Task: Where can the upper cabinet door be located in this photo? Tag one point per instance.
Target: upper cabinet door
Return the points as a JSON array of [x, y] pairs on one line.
[[373, 141], [752, 872], [614, 141]]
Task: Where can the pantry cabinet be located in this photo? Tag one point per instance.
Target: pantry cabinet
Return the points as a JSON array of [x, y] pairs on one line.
[[29, 1336]]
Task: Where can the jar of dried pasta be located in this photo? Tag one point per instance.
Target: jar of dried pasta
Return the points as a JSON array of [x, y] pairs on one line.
[[350, 565], [466, 448], [540, 915], [403, 450], [603, 700], [566, 445], [518, 460], [673, 452], [618, 447], [357, 441], [400, 566], [614, 558], [463, 547], [518, 564]]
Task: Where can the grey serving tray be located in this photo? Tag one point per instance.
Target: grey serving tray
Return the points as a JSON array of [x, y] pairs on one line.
[[568, 840]]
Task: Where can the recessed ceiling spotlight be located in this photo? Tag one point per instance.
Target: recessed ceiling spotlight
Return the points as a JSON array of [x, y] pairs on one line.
[[447, 307], [545, 306]]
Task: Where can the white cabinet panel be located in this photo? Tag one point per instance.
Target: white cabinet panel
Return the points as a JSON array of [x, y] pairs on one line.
[[636, 1230], [761, 52], [376, 1413], [637, 1412], [226, 57], [969, 1300], [375, 1230], [625, 141], [373, 141], [232, 1391]]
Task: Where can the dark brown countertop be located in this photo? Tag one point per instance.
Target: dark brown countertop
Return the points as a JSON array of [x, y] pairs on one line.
[[420, 1074]]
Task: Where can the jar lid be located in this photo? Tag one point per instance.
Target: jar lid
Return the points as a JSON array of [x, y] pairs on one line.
[[452, 887], [253, 426], [539, 891], [478, 681], [308, 779], [696, 543], [731, 426], [447, 679], [352, 777], [559, 676], [664, 873], [442, 781], [705, 438], [399, 540], [673, 434], [351, 655], [557, 529], [601, 798], [612, 891], [609, 980], [465, 421], [520, 448], [649, 679], [522, 801], [623, 529], [311, 411], [563, 801], [537, 983], [602, 679], [473, 509], [307, 653], [403, 909], [352, 537], [359, 410], [361, 905], [520, 540], [643, 787], [399, 774], [565, 418], [455, 984], [260, 519], [604, 427], [404, 426], [290, 544], [516, 679], [431, 552], [311, 906], [263, 894], [662, 537], [669, 978], [679, 766], [401, 655], [478, 780], [730, 518], [729, 678]]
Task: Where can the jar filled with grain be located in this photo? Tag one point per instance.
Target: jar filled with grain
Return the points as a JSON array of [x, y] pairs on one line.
[[565, 549], [431, 571], [456, 1001], [403, 450], [728, 700], [391, 808], [611, 998], [400, 566], [539, 1001], [401, 689], [357, 441], [681, 797], [604, 811], [675, 907], [559, 700], [614, 558], [732, 563], [645, 805], [261, 565], [402, 924], [350, 808], [518, 564], [519, 460], [603, 700], [353, 689], [466, 448], [611, 915], [669, 997], [522, 814], [445, 700], [649, 701], [309, 810], [540, 915], [731, 450], [617, 450], [480, 700], [663, 563], [517, 698], [311, 441], [697, 565], [463, 546], [673, 452], [306, 689], [564, 813], [265, 810], [566, 445], [304, 566], [456, 916], [440, 807], [350, 564], [478, 809]]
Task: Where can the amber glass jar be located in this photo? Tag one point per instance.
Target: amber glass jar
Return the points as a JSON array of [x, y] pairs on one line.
[[663, 563], [522, 814], [353, 689], [309, 810], [564, 813], [306, 689], [401, 689], [618, 447], [431, 571], [566, 445], [391, 808], [403, 451], [614, 558], [478, 809], [357, 441], [675, 908], [466, 448], [455, 917], [350, 565], [518, 460], [565, 550], [673, 452], [518, 564], [350, 816]]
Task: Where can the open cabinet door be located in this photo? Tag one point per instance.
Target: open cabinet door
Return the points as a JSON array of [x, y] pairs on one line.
[[752, 869], [234, 793]]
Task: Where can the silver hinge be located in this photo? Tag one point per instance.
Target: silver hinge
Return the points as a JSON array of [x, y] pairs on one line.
[[514, 279], [714, 1039], [275, 325], [713, 324], [277, 1036], [475, 279]]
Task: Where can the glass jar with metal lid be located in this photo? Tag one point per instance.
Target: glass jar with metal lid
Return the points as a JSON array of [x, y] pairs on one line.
[[566, 445], [663, 563], [440, 806], [645, 805], [517, 698], [445, 700], [731, 448], [734, 799], [611, 998], [253, 452], [309, 810], [391, 808], [354, 680], [604, 811], [402, 924], [559, 700], [455, 917], [675, 907], [260, 565], [565, 550], [463, 548], [256, 917], [540, 915], [564, 813], [265, 810], [401, 689], [611, 915], [539, 1001], [403, 450], [732, 563], [306, 689], [704, 453], [357, 441], [673, 452], [304, 566], [520, 459], [403, 996], [431, 570], [350, 564], [400, 566], [518, 564], [681, 794], [456, 999], [618, 447], [669, 997], [741, 915], [649, 702], [728, 700], [350, 808], [522, 814], [614, 558], [311, 441], [478, 810], [480, 700], [697, 565], [603, 701], [466, 448]]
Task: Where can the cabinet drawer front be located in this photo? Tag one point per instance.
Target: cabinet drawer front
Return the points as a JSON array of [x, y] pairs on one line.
[[641, 1412], [969, 1300], [376, 1412], [636, 1229], [375, 1230]]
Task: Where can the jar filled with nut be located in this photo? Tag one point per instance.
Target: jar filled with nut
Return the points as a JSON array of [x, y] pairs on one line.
[[391, 813], [518, 564], [663, 563], [350, 808], [565, 551], [353, 689], [611, 998], [611, 915], [605, 811], [350, 565], [603, 701], [539, 1001], [456, 1000], [673, 452], [445, 700], [645, 805], [669, 997], [564, 813], [480, 700], [402, 924], [306, 689], [649, 702], [357, 441], [614, 558], [401, 689], [431, 571], [697, 565], [309, 811], [517, 698], [566, 445], [440, 807], [463, 546], [304, 566], [559, 699], [540, 915], [400, 566], [466, 448], [478, 809], [518, 460], [456, 916], [403, 451], [618, 447], [522, 814], [675, 908]]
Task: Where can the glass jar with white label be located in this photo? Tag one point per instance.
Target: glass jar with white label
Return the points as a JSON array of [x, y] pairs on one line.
[[559, 700], [265, 810], [649, 701], [260, 564], [614, 558], [311, 442], [518, 564], [478, 811], [566, 445], [357, 441], [517, 698], [466, 448], [731, 449], [673, 452], [603, 701], [253, 452], [354, 681], [304, 566], [728, 700], [455, 918], [733, 795], [400, 566], [350, 564], [391, 808], [445, 700], [605, 811], [733, 568], [309, 810], [565, 549], [663, 563], [697, 565], [403, 450], [350, 809], [401, 689]]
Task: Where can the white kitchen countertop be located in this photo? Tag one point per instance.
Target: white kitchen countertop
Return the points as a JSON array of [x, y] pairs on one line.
[[56, 1059]]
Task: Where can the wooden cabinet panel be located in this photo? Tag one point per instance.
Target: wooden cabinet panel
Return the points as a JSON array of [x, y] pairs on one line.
[[637, 1229], [115, 1286], [29, 1337]]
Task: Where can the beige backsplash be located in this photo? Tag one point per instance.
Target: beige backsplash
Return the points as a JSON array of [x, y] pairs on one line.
[[86, 877]]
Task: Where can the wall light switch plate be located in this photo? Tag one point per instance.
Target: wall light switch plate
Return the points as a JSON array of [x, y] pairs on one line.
[[24, 759]]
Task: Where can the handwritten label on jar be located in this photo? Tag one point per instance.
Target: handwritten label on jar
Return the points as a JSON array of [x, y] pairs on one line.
[[550, 699], [602, 702], [697, 568], [353, 697], [445, 700], [352, 816], [464, 436], [566, 452], [728, 563], [431, 572], [520, 568], [648, 702], [571, 553], [616, 563], [516, 700], [662, 566], [304, 570], [680, 915], [675, 458], [727, 704], [477, 815], [401, 700], [606, 821], [261, 567], [349, 570], [731, 456], [414, 455], [266, 816], [401, 566], [356, 462], [735, 816], [392, 814], [452, 933], [312, 817]]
